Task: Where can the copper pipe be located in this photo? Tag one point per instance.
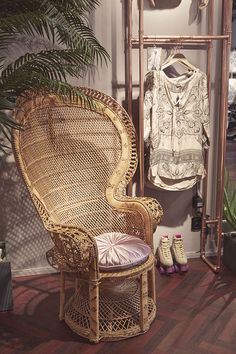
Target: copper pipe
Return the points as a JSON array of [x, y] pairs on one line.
[[182, 38], [203, 234], [129, 57], [209, 49], [141, 94], [215, 268], [200, 42], [215, 221], [129, 71], [196, 46], [206, 155], [227, 25], [197, 37], [227, 28]]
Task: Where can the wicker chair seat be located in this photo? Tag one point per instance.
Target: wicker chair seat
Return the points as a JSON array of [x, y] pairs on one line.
[[117, 251]]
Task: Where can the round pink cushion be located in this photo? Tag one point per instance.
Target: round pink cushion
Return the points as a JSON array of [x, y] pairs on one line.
[[117, 251]]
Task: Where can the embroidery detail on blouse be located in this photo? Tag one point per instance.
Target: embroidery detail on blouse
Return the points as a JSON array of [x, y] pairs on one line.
[[176, 128]]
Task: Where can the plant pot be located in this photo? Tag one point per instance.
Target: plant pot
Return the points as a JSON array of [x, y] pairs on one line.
[[6, 300], [229, 251]]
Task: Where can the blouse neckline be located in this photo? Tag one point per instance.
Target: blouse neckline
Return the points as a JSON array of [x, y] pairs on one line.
[[178, 86]]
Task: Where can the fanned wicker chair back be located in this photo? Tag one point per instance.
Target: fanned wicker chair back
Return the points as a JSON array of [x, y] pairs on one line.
[[68, 154]]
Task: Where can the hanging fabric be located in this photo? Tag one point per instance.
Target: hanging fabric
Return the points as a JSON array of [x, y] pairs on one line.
[[203, 4], [176, 128], [153, 58]]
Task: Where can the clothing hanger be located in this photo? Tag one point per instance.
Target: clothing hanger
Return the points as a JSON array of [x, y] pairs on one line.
[[178, 58]]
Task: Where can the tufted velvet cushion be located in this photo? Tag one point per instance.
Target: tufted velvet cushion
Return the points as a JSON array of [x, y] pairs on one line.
[[117, 251]]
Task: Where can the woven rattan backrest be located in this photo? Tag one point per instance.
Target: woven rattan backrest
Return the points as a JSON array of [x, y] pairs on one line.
[[69, 153]]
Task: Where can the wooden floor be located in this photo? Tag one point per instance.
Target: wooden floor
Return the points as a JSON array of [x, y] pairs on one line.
[[196, 315]]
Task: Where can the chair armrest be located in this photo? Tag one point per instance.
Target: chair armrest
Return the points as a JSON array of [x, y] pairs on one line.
[[152, 205], [154, 208], [77, 248], [147, 208]]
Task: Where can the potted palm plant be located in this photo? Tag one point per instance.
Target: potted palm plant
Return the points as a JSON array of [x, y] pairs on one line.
[[229, 225], [42, 44]]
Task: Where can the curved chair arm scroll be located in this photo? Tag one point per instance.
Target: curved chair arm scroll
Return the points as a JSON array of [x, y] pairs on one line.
[[77, 248], [151, 204], [148, 208], [74, 247], [154, 208]]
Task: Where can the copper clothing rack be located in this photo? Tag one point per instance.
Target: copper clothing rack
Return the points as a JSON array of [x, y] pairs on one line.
[[215, 223]]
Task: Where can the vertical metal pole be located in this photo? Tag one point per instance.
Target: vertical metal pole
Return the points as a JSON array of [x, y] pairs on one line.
[[141, 94], [129, 57], [129, 69], [226, 29], [206, 164], [227, 25]]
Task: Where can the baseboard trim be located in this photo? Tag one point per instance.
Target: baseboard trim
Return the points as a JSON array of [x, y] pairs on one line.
[[48, 270], [32, 271], [192, 254], [197, 254]]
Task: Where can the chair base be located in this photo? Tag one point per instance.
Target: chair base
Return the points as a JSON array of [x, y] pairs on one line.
[[119, 310]]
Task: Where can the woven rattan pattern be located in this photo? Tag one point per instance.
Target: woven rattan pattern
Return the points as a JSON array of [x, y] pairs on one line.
[[70, 165], [119, 310], [77, 159]]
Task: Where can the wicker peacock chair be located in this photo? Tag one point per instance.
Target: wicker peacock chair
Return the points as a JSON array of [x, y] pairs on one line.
[[77, 159]]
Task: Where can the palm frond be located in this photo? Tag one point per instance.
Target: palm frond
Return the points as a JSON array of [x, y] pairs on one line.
[[69, 29], [54, 64], [37, 83], [17, 6], [64, 23], [30, 23], [6, 104], [6, 132], [82, 6], [73, 31], [8, 122]]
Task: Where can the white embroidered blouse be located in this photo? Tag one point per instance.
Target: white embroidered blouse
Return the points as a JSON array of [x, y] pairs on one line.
[[176, 128]]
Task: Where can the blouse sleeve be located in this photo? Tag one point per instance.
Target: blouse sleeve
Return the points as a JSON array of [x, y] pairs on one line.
[[205, 113]]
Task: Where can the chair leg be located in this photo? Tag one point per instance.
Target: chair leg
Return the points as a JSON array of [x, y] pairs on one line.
[[152, 284], [62, 296], [94, 311], [144, 302]]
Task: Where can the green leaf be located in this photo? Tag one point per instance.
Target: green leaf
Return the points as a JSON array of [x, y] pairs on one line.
[[6, 132], [8, 122], [229, 201], [6, 104]]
